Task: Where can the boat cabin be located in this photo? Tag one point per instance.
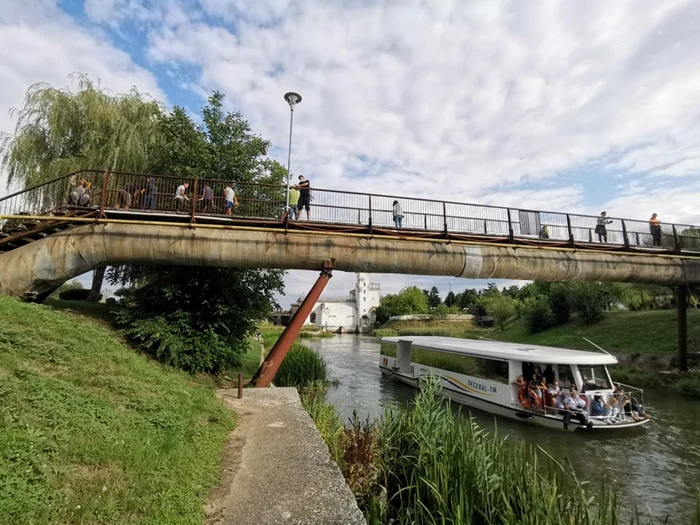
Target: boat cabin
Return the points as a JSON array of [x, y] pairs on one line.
[[513, 379], [499, 362]]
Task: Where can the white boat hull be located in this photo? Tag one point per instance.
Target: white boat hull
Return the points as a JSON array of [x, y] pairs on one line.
[[515, 413]]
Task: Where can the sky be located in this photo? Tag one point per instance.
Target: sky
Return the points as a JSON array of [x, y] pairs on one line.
[[563, 106]]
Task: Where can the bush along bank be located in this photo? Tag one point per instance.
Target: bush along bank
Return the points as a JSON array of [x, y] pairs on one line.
[[430, 466]]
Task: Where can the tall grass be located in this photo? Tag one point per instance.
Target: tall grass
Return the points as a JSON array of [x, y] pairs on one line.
[[689, 386], [440, 469], [302, 367], [429, 466]]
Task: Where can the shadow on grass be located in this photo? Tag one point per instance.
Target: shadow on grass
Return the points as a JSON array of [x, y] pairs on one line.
[[96, 311]]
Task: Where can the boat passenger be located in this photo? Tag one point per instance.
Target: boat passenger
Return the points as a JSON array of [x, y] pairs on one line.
[[520, 382], [559, 400], [629, 406], [599, 408], [549, 374], [552, 393], [575, 407], [536, 384]]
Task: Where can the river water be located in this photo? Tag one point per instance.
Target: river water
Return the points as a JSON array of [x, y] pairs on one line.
[[657, 466]]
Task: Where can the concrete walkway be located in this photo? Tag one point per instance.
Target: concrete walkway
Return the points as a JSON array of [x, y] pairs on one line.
[[278, 469]]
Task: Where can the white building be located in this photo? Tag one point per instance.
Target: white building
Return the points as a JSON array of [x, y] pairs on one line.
[[353, 314]]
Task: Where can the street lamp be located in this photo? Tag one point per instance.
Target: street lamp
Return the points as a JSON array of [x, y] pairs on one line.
[[292, 99]]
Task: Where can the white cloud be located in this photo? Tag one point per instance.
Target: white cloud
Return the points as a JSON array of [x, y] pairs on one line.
[[43, 44], [469, 96]]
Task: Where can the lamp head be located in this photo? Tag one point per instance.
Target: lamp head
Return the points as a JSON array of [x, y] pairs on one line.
[[292, 99]]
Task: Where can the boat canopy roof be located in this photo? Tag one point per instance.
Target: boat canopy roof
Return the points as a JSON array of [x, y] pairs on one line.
[[506, 351]]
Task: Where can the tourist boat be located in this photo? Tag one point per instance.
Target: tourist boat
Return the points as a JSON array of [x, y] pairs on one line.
[[488, 375]]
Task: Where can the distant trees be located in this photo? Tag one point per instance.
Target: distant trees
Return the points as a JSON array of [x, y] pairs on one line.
[[433, 297], [410, 300], [501, 307]]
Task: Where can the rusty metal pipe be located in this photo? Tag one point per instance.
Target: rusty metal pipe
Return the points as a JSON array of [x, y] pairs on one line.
[[266, 373]]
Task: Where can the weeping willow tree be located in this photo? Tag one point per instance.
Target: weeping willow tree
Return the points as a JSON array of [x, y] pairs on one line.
[[60, 131]]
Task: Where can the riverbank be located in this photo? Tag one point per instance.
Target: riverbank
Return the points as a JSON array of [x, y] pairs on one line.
[[645, 342], [94, 432]]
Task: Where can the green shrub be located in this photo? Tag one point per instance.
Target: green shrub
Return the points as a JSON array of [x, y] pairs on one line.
[[75, 294], [560, 302], [589, 301], [689, 385], [536, 314], [302, 367], [635, 376], [501, 307]]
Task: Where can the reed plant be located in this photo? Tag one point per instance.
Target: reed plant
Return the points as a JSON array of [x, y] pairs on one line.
[[442, 469], [302, 367]]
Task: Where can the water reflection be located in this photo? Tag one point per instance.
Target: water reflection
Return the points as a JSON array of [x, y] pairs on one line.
[[658, 467]]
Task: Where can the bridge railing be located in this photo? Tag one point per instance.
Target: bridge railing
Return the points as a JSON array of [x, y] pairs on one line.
[[108, 190]]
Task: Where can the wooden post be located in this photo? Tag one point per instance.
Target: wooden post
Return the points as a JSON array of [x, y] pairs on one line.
[[240, 386]]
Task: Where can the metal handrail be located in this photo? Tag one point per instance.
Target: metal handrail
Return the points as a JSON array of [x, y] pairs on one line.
[[443, 216]]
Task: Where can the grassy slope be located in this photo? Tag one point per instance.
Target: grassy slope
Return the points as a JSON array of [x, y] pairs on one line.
[[92, 432], [652, 332]]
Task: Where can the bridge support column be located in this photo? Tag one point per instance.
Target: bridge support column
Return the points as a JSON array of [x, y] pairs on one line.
[[263, 377], [681, 293]]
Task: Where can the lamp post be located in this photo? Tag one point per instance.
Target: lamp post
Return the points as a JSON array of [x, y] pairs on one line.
[[292, 99]]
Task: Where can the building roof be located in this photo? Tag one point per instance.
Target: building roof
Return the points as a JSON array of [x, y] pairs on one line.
[[507, 351]]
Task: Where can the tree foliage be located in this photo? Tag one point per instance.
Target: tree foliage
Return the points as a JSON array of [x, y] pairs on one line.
[[536, 314], [433, 297], [501, 307], [60, 131], [197, 318], [410, 300], [560, 303]]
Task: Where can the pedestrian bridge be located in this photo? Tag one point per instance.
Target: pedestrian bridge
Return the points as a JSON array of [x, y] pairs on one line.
[[46, 241]]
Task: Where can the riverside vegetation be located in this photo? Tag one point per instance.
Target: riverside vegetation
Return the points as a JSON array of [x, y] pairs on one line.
[[93, 432], [429, 465]]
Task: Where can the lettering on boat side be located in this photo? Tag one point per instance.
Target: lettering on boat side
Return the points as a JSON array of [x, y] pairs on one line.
[[472, 386]]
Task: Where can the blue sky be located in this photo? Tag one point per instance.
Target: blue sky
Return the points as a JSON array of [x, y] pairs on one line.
[[550, 105]]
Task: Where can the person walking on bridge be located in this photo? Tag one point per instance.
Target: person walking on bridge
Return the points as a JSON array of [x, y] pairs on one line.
[[398, 214], [231, 199], [600, 227], [181, 196], [149, 194], [293, 204], [304, 195], [207, 199], [655, 229]]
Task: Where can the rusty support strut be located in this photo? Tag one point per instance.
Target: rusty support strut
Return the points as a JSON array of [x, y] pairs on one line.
[[265, 374]]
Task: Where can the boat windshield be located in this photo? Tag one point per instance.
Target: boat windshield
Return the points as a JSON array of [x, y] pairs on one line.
[[595, 377]]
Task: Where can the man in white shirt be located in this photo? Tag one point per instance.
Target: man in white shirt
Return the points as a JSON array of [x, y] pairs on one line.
[[231, 199], [576, 409], [181, 196]]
